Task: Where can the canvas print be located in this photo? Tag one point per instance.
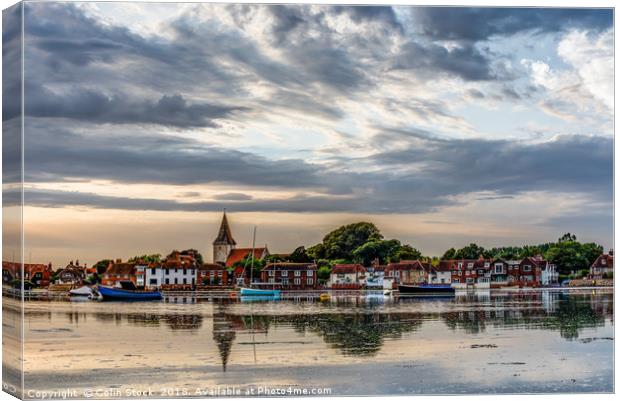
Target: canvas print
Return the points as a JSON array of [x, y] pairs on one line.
[[225, 199]]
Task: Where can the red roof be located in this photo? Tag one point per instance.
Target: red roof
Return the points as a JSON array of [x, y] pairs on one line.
[[290, 266], [348, 269], [408, 265], [238, 254]]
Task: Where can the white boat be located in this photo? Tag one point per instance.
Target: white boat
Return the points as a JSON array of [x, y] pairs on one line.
[[84, 292]]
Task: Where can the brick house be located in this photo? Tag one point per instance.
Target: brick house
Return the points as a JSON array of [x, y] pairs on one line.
[[119, 271], [72, 274], [37, 273], [530, 271], [604, 264], [347, 276], [291, 276], [407, 271], [213, 274]]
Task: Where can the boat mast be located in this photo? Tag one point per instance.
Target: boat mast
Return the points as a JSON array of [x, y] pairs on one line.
[[252, 256]]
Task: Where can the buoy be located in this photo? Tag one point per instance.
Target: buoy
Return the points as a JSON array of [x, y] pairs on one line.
[[324, 297]]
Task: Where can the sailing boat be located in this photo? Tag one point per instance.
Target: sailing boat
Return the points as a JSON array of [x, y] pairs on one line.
[[252, 289]]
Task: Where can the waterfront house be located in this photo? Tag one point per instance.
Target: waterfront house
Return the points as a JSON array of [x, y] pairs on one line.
[[530, 271], [213, 274], [37, 273], [512, 271], [375, 275], [603, 265], [499, 272], [290, 276], [407, 271], [177, 272], [71, 274], [347, 276], [440, 274], [119, 271]]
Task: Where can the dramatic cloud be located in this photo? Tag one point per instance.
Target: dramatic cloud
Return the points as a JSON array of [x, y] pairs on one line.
[[96, 107], [382, 111], [474, 24]]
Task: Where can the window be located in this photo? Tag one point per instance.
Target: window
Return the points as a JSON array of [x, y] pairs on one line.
[[603, 262], [153, 281], [499, 268], [297, 273], [270, 273], [460, 265], [184, 280], [167, 281], [310, 281], [220, 273], [297, 281], [309, 273], [284, 273], [271, 280], [176, 280], [527, 268], [460, 272], [487, 264], [470, 265], [285, 281]]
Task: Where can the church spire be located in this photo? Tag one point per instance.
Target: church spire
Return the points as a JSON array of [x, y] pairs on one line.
[[224, 236]]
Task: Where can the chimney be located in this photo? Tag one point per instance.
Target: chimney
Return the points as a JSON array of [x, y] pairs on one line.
[[611, 252], [119, 260]]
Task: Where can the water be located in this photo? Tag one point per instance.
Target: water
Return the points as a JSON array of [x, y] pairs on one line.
[[511, 342]]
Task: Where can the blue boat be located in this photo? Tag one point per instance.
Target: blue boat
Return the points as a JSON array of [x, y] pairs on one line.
[[128, 292], [259, 292], [426, 289]]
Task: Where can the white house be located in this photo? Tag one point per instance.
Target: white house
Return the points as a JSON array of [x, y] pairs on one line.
[[348, 274]]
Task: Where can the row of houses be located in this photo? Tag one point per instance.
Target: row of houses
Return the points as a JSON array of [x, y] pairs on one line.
[[529, 271]]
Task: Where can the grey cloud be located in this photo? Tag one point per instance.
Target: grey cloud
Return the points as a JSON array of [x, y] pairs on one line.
[[233, 196], [384, 14], [54, 153], [429, 173], [475, 24], [466, 62], [568, 163], [96, 107]]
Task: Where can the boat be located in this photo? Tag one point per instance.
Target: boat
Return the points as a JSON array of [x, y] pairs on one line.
[[254, 289], [443, 289], [127, 292], [84, 293], [245, 291]]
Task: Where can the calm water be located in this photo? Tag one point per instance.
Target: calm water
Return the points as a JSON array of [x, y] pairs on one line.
[[488, 343]]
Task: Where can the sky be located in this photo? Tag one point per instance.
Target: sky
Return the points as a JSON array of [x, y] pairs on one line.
[[443, 126]]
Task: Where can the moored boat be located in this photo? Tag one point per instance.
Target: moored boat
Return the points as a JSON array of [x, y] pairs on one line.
[[259, 292], [443, 289], [127, 292]]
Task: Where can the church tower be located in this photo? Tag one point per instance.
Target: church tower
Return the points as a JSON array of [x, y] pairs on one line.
[[224, 242]]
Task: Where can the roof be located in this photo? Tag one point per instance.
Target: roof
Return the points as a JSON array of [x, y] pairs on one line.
[[607, 257], [212, 266], [290, 266], [348, 269], [445, 265], [238, 254], [408, 265], [13, 267], [121, 268], [224, 236]]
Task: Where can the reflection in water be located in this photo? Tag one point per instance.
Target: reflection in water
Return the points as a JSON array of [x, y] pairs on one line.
[[367, 331]]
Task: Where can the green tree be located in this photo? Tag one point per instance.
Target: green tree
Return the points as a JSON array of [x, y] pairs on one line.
[[299, 255], [405, 252], [340, 243], [102, 265], [471, 251], [449, 254], [246, 263], [376, 249], [152, 258]]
